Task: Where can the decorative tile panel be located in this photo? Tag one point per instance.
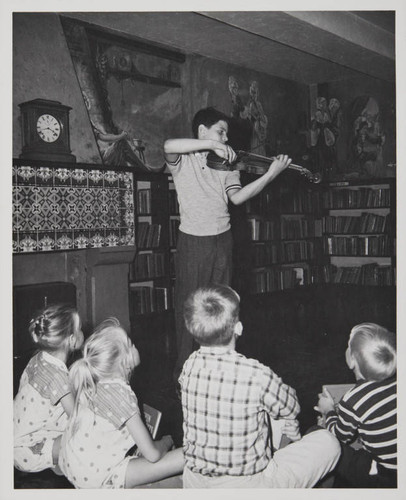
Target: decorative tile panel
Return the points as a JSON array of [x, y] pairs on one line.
[[57, 208]]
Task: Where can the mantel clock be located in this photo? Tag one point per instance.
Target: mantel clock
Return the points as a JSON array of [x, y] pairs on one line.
[[45, 131]]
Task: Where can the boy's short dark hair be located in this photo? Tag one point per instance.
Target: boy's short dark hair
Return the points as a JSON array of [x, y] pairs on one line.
[[207, 117], [374, 349], [211, 313]]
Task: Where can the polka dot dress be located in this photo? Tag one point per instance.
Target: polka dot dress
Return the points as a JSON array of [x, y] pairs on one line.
[[94, 447], [39, 417]]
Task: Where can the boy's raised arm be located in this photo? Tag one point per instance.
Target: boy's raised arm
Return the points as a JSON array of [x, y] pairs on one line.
[[174, 147]]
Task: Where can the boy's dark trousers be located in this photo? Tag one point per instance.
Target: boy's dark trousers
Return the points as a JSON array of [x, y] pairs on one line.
[[352, 471], [199, 261]]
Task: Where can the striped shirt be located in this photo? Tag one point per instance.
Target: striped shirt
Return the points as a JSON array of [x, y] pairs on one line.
[[225, 399], [202, 194], [368, 410]]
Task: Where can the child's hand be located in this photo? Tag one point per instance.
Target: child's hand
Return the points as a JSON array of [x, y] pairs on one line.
[[291, 430], [224, 151], [326, 403], [168, 442]]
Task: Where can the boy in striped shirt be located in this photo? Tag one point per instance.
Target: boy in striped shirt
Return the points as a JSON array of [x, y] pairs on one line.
[[367, 411]]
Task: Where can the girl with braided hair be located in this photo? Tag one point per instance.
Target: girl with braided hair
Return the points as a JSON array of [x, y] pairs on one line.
[[44, 402]]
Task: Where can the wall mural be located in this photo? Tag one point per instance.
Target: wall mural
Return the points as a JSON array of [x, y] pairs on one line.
[[71, 208], [249, 122], [324, 131], [132, 94], [367, 138]]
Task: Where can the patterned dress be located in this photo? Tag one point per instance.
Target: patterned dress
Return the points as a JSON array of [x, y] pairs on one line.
[[39, 417], [96, 442]]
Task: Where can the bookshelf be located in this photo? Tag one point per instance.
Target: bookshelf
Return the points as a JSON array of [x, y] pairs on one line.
[[292, 234], [332, 233], [358, 228], [149, 281], [282, 242]]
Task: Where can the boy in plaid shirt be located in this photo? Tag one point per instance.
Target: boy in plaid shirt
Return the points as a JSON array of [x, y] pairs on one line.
[[227, 400]]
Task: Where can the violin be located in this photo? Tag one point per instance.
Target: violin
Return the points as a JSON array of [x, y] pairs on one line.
[[255, 164]]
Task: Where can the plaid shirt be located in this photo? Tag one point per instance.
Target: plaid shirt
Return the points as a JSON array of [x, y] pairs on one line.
[[225, 399]]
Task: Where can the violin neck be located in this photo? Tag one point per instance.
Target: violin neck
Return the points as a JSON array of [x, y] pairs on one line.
[[269, 159]]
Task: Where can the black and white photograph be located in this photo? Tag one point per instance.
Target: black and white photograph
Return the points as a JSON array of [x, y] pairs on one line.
[[202, 257]]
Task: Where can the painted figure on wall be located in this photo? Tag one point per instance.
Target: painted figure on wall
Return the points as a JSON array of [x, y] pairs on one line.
[[240, 129], [368, 137], [324, 132], [115, 148], [116, 141], [258, 119], [238, 110]]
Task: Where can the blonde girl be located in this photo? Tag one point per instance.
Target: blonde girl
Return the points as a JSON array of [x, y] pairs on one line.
[[106, 422], [44, 402]]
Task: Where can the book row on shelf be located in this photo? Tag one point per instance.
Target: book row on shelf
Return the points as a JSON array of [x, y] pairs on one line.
[[282, 278], [148, 265], [376, 246], [371, 274], [368, 274], [362, 197], [264, 254], [144, 201], [314, 201], [305, 227], [148, 235], [173, 202], [300, 202], [148, 299], [367, 222], [274, 279], [173, 232]]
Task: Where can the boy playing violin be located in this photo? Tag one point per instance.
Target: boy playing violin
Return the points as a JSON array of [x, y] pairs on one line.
[[204, 248]]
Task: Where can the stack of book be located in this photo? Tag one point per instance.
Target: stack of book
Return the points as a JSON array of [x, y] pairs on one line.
[[281, 278], [173, 232], [376, 246], [263, 229], [302, 202], [144, 201], [357, 198], [148, 235], [265, 254], [373, 274], [305, 227], [365, 223], [368, 274], [148, 266], [147, 299]]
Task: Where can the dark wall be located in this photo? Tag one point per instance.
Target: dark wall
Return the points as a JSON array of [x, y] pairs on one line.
[[43, 73]]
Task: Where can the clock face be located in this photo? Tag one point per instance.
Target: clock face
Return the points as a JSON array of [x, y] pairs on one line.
[[48, 128]]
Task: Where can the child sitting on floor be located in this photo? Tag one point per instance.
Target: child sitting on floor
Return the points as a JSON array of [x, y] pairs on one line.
[[44, 402], [106, 421], [367, 411], [227, 399]]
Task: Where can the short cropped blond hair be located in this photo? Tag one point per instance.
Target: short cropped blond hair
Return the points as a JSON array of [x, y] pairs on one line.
[[211, 313], [374, 349]]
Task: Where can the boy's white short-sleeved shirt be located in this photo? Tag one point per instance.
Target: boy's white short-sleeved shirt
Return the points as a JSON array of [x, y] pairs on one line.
[[39, 417], [202, 194], [95, 444]]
